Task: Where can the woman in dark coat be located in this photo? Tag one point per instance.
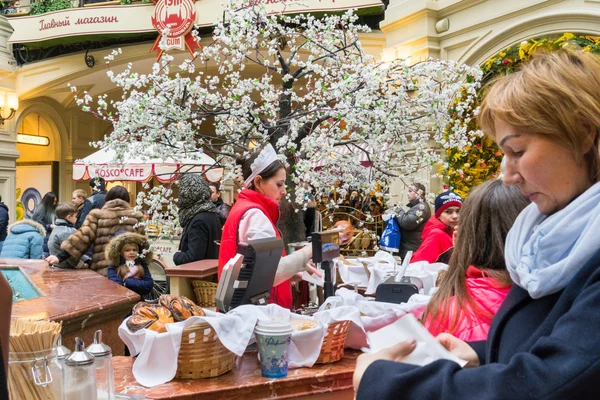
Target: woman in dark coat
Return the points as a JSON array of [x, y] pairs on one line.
[[198, 217], [45, 214], [543, 342]]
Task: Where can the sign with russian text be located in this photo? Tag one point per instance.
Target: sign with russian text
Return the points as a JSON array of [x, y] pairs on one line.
[[141, 18], [179, 17]]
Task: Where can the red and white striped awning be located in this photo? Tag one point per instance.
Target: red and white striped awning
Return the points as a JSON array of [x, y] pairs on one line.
[[138, 170]]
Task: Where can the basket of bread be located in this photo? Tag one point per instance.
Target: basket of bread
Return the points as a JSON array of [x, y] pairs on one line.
[[334, 328], [201, 355]]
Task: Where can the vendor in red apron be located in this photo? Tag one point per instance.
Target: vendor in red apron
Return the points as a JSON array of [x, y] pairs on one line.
[[255, 216]]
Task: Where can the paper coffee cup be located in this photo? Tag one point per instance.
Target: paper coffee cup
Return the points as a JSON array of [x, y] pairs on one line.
[[273, 340]]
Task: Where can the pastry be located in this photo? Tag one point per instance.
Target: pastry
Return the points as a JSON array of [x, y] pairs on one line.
[[195, 309], [149, 317], [303, 324], [181, 307]]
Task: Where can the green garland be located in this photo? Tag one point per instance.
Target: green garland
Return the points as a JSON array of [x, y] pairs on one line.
[[46, 6], [470, 166]]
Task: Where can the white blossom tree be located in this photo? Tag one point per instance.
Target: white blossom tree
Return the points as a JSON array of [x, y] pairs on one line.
[[317, 91]]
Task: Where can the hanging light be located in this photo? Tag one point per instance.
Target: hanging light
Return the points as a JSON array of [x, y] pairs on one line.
[[11, 100]]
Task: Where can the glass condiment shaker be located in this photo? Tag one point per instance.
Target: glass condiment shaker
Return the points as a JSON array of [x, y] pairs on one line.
[[80, 374], [105, 382]]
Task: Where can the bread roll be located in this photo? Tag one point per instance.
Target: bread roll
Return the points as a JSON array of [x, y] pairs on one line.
[[303, 324], [149, 317], [181, 307]]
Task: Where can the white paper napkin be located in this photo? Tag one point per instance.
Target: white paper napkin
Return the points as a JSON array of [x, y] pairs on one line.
[[406, 328], [314, 278], [158, 352]]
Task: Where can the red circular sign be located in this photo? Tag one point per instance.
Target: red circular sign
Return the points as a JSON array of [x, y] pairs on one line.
[[177, 15]]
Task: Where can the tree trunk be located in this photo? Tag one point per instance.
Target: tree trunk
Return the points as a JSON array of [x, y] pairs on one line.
[[291, 223]]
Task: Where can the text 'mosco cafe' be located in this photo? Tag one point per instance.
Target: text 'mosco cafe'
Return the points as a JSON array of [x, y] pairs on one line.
[[43, 132]]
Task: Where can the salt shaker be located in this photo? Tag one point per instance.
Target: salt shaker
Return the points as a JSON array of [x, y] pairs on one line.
[[80, 374], [105, 383]]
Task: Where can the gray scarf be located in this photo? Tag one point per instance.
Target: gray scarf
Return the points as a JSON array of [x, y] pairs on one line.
[[194, 197]]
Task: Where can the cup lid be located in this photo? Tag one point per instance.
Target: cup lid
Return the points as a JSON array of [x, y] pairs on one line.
[[274, 326]]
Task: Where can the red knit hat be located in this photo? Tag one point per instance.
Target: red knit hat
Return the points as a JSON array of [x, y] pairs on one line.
[[445, 200]]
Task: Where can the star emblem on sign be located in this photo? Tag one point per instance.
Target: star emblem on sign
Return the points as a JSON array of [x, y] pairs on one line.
[[179, 16]]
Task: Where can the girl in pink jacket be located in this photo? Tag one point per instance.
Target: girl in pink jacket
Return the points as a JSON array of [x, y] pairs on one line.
[[477, 281]]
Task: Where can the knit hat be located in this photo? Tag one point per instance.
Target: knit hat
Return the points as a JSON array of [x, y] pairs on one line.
[[445, 200]]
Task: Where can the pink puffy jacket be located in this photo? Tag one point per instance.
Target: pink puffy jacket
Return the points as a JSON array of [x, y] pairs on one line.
[[488, 293]]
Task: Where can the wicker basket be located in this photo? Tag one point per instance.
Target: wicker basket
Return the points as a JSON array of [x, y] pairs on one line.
[[202, 355], [206, 292], [333, 343]]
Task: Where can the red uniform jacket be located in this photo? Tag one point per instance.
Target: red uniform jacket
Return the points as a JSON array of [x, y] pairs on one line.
[[247, 199]]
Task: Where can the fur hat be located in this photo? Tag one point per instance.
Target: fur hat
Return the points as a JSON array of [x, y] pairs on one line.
[[115, 246], [445, 200], [39, 227]]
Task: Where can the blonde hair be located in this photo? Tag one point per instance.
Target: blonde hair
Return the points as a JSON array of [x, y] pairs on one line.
[[555, 94], [80, 193]]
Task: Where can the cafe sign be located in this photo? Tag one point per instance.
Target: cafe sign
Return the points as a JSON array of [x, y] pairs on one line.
[[179, 15]]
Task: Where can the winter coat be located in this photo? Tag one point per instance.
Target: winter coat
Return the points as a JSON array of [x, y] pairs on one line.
[[247, 200], [62, 230], [222, 210], [437, 238], [97, 200], [82, 211], [99, 228], [411, 225], [113, 253], [198, 239], [25, 240], [488, 294], [3, 222], [544, 348]]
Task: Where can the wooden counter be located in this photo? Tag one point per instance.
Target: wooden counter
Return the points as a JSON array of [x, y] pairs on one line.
[[322, 381], [82, 299], [180, 275]]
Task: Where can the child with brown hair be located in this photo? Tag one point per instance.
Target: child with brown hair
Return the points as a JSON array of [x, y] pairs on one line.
[[129, 255], [64, 226], [477, 281]]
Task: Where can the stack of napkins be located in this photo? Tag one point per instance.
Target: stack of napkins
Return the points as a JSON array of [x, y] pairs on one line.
[[427, 351]]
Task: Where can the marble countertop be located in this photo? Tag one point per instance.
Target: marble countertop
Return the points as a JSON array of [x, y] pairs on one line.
[[68, 293], [245, 381]]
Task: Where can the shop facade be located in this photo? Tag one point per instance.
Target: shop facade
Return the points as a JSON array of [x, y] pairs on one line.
[[467, 31]]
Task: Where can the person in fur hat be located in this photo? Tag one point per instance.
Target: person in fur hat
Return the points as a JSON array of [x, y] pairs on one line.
[[25, 240], [129, 255]]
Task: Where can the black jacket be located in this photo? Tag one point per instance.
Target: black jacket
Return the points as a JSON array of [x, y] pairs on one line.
[[222, 210], [94, 201], [411, 226], [3, 221], [545, 348], [198, 240]]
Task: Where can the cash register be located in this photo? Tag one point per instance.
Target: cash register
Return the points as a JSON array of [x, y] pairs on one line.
[[399, 288], [248, 277]]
